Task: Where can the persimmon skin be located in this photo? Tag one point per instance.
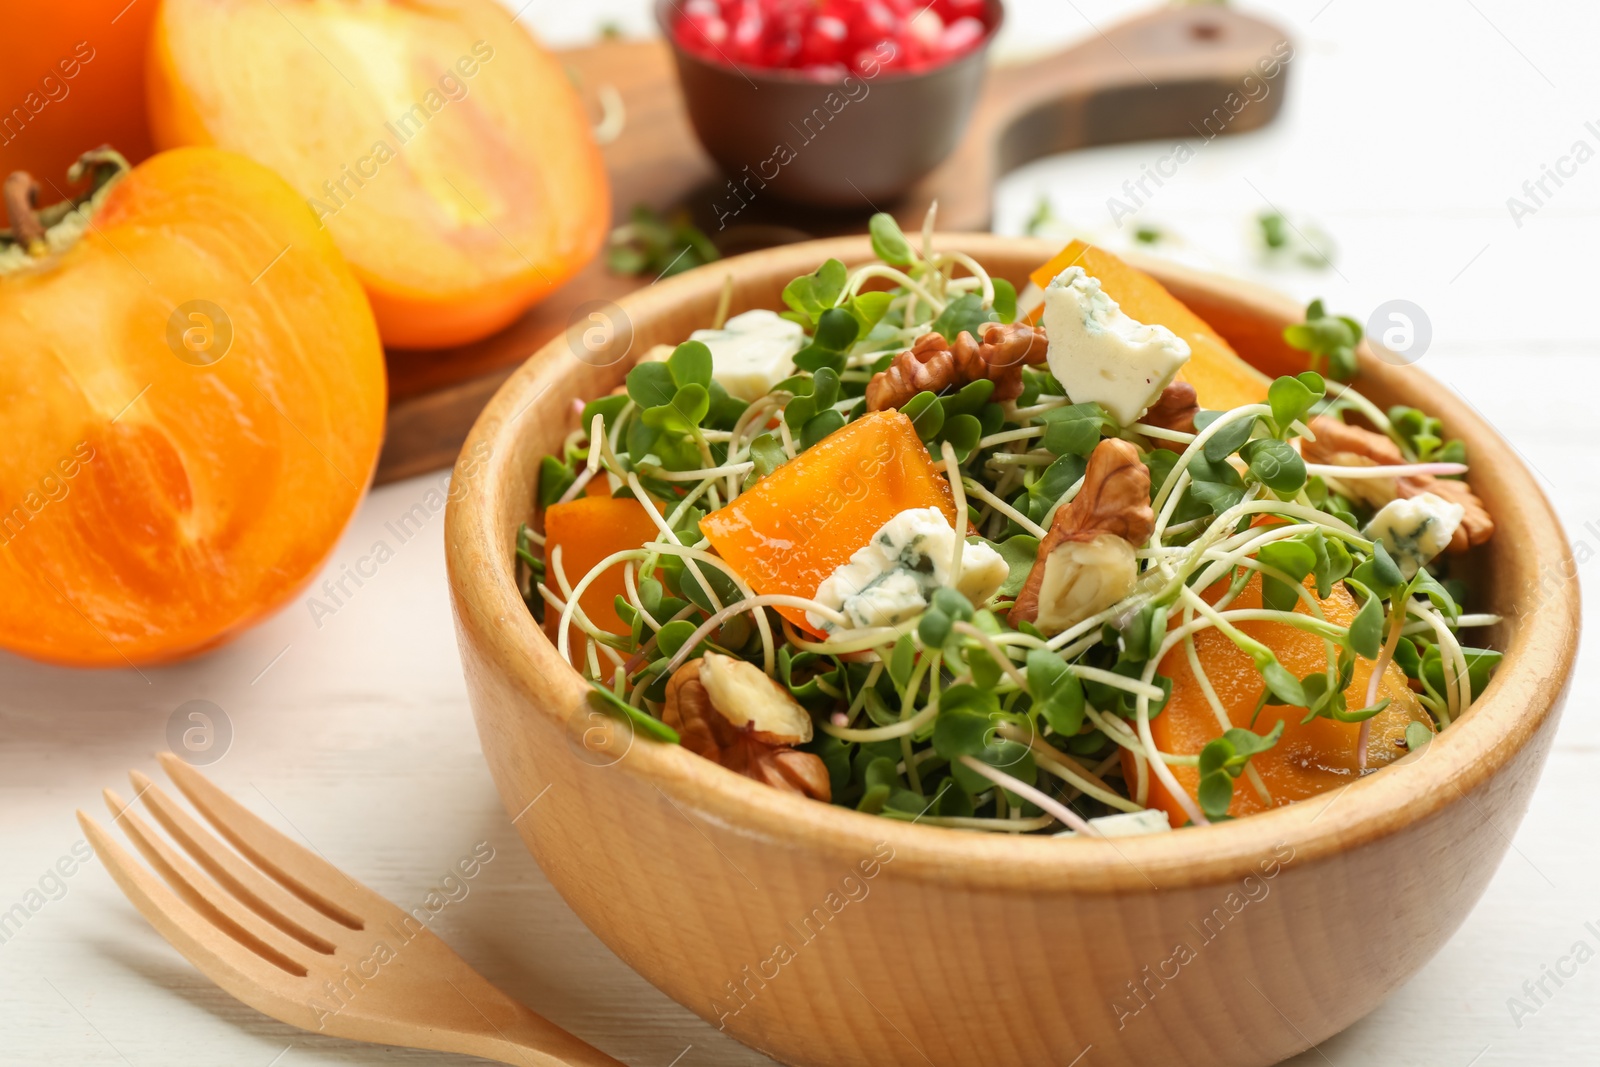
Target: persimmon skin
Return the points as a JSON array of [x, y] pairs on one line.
[[445, 150], [72, 79], [1309, 758], [152, 507], [1221, 379]]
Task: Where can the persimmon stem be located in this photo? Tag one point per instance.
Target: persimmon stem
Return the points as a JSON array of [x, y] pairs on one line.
[[21, 195]]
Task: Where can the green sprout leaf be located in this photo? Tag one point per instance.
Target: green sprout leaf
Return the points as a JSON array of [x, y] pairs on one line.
[[607, 407], [1284, 687], [651, 385], [869, 309], [768, 455], [926, 414], [1215, 792], [1057, 478], [1330, 340], [650, 244], [1380, 574], [1366, 629], [963, 433], [1294, 558], [836, 331], [1005, 301], [1481, 663], [1226, 441], [1223, 760], [969, 399], [554, 479], [671, 637], [1292, 398], [1276, 465], [809, 295], [1339, 714], [690, 364], [1057, 693], [821, 425], [965, 313], [604, 698], [1073, 430], [1019, 552], [903, 662], [888, 240]]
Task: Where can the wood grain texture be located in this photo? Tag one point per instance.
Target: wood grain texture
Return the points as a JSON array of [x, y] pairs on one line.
[[1166, 74], [966, 949], [283, 930]]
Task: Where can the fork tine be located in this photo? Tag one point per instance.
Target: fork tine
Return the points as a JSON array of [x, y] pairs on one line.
[[257, 892], [302, 872], [218, 957], [202, 895]]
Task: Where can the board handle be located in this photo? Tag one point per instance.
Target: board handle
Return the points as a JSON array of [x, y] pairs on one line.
[[1194, 72]]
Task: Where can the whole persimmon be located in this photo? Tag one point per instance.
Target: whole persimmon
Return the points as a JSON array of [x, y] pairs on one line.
[[445, 150], [193, 395], [73, 77]]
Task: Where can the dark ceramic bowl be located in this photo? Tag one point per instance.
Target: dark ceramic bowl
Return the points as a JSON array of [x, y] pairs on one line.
[[850, 143]]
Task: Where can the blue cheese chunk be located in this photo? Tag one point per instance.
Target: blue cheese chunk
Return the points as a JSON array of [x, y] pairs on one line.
[[1127, 824], [752, 352], [1099, 354], [892, 578], [1415, 529]]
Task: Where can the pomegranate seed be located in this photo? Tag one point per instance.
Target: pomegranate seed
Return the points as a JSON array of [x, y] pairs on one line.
[[960, 36], [828, 38]]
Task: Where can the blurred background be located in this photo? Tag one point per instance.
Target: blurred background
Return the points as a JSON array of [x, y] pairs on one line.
[[1405, 166]]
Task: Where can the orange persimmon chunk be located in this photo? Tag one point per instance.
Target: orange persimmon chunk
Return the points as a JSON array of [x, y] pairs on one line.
[[800, 523], [587, 530], [1219, 376], [1308, 759]]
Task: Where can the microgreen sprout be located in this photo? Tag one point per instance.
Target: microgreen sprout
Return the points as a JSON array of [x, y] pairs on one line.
[[950, 715]]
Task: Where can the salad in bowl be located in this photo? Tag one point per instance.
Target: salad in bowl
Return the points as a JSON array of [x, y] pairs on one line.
[[1048, 562]]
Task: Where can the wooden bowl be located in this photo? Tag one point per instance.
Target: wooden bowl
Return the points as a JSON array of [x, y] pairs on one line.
[[823, 936]]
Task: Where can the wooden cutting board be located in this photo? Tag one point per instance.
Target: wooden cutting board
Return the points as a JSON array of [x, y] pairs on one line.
[[1190, 72]]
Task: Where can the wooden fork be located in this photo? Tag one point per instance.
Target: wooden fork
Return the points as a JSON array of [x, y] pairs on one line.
[[289, 934]]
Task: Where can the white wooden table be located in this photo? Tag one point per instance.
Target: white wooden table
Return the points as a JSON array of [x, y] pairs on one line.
[[1407, 131]]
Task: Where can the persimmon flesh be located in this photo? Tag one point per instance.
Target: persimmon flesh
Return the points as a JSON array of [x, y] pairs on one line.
[[1221, 379], [803, 521], [1309, 758], [587, 529], [155, 499], [445, 150]]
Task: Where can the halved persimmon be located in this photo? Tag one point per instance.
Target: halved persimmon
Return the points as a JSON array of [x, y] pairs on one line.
[[193, 396], [1309, 758], [444, 149]]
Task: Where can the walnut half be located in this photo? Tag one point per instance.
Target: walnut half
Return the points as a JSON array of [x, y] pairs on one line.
[[1175, 410], [731, 713], [1086, 561], [1340, 444], [934, 365]]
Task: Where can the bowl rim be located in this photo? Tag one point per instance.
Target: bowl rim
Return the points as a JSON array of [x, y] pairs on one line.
[[995, 13], [1524, 695]]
